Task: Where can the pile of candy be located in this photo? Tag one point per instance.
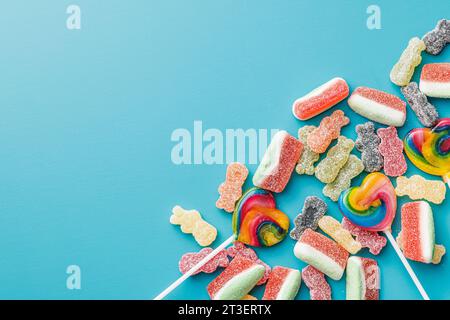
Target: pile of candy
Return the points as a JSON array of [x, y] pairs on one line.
[[367, 209]]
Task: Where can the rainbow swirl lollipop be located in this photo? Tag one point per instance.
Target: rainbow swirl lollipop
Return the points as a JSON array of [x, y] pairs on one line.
[[254, 197], [429, 149], [257, 222], [372, 205]]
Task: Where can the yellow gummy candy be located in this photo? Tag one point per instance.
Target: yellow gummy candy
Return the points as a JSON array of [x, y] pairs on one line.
[[204, 233], [418, 188], [186, 219], [328, 169], [190, 221], [403, 70], [308, 158], [439, 251], [333, 228]]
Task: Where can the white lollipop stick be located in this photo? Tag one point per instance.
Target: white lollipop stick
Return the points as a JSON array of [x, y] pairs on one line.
[[407, 266], [200, 264]]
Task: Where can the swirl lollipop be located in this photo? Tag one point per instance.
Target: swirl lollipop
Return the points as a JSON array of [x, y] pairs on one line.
[[256, 222], [254, 197], [372, 206], [429, 149], [261, 226]]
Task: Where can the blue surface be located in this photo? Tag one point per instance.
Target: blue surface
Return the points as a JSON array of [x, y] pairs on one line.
[[87, 115]]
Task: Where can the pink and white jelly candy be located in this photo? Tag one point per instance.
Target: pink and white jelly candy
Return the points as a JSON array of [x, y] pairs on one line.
[[378, 106], [435, 80], [320, 99], [240, 249]]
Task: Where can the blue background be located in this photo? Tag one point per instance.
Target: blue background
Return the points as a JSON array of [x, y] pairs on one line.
[[86, 119]]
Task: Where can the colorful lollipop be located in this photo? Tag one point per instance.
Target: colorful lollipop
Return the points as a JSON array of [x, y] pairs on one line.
[[254, 197], [372, 206], [256, 222], [261, 227], [429, 149]]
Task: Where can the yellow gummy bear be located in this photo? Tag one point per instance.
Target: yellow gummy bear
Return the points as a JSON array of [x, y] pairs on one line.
[[191, 221], [333, 228], [403, 70], [204, 233], [186, 219]]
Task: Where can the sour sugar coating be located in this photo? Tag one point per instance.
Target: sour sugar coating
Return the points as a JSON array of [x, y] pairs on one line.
[[425, 111], [190, 259], [367, 143], [231, 190], [438, 252], [267, 272], [322, 253], [435, 80], [236, 280], [436, 40], [319, 289], [403, 70], [352, 168], [372, 205], [313, 209], [391, 148], [308, 158], [418, 188], [378, 106], [417, 236], [283, 284], [278, 162], [192, 222], [363, 279], [328, 169], [320, 99], [343, 237], [329, 129], [239, 249], [367, 239]]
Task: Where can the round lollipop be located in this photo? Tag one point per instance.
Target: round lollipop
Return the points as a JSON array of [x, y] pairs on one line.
[[256, 222], [372, 206], [429, 149]]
